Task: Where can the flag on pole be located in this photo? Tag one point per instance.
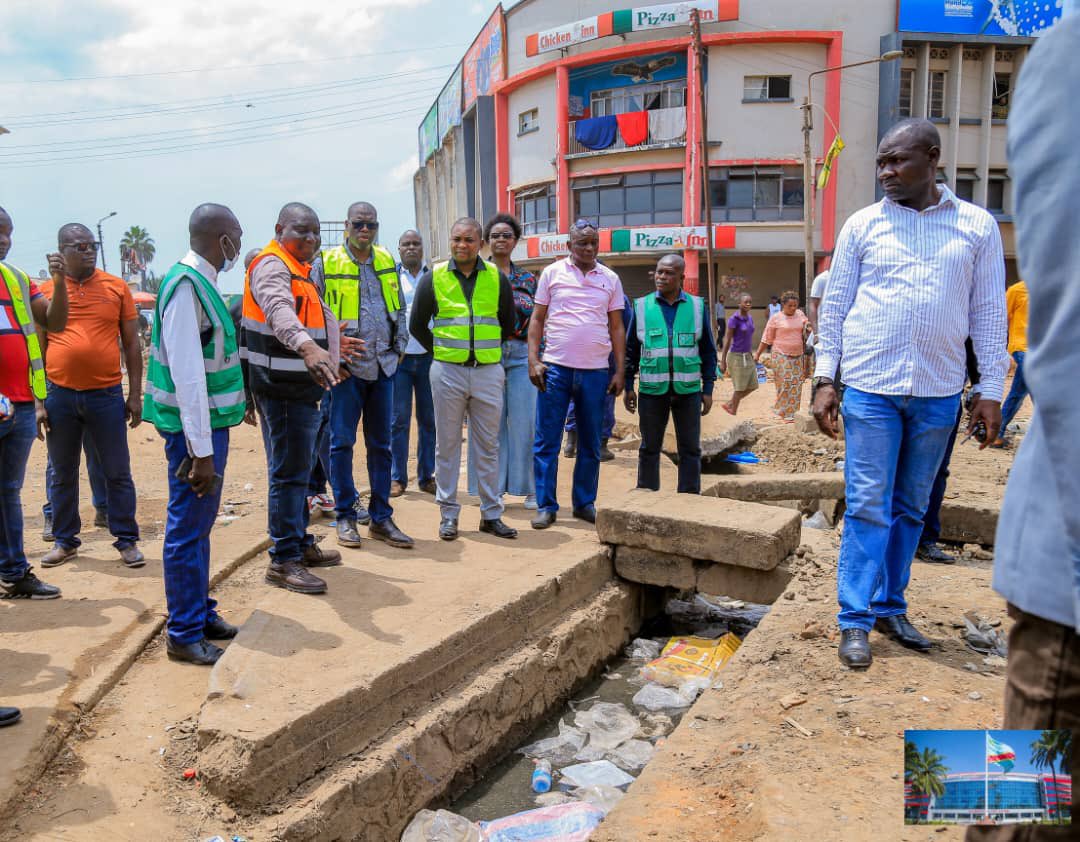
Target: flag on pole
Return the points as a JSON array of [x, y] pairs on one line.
[[826, 166], [1000, 754]]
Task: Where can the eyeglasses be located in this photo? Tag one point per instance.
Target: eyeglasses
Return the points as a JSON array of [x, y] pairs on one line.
[[363, 225], [501, 235], [82, 248]]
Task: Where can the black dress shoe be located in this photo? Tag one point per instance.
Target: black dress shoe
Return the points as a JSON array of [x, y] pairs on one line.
[[388, 532], [855, 648], [932, 552], [543, 520], [218, 629], [497, 528], [204, 653], [9, 716], [899, 629], [448, 529], [587, 513]]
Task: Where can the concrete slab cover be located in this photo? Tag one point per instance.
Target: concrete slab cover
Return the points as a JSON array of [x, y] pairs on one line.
[[728, 531], [823, 485]]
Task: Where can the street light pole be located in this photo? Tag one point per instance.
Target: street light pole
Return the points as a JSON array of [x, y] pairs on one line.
[[808, 163], [101, 242]]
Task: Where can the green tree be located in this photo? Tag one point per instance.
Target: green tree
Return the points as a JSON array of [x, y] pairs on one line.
[[911, 757], [137, 239], [1053, 747], [928, 773]]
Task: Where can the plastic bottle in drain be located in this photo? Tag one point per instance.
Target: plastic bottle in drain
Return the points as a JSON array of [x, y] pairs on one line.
[[541, 776]]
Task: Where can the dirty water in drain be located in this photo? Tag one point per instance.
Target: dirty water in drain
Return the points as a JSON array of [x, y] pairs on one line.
[[599, 741]]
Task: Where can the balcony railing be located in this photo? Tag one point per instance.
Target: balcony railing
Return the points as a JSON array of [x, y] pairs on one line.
[[575, 149]]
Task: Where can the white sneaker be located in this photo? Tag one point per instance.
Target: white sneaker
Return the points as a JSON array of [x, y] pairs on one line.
[[325, 502], [530, 501], [313, 507]]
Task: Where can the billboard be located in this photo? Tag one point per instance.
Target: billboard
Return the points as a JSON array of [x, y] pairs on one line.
[[1022, 18], [429, 134], [450, 103], [484, 65]]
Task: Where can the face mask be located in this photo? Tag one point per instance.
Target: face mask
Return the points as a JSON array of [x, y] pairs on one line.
[[230, 262]]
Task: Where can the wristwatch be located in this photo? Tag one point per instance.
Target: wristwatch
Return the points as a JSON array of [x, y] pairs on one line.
[[817, 382]]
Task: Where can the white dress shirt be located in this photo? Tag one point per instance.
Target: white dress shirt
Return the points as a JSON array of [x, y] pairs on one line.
[[181, 323], [906, 289], [408, 288]]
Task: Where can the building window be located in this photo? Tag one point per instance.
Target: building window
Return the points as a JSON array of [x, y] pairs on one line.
[[647, 198], [1002, 88], [907, 81], [535, 208], [935, 96], [529, 121], [965, 185], [995, 192], [756, 194], [766, 89], [638, 98]]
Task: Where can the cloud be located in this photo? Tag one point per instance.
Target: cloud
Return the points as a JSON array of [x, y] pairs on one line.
[[400, 176]]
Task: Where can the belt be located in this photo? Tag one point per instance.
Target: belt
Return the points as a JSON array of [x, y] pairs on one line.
[[473, 363]]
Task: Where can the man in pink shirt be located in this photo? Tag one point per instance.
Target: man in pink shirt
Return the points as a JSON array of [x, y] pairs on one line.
[[578, 314]]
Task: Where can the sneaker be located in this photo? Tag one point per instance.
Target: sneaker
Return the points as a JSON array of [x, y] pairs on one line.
[[131, 556], [58, 555], [313, 507], [28, 587], [46, 530], [101, 518], [347, 536], [363, 516], [293, 576], [325, 503], [530, 502]]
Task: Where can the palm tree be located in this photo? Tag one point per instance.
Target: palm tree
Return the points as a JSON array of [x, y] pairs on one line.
[[911, 757], [138, 240], [1053, 747], [928, 773]]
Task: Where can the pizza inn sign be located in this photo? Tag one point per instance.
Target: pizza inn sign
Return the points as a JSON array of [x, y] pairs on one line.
[[692, 238]]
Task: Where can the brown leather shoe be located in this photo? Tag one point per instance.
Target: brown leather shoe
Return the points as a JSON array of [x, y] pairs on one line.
[[315, 556], [428, 487], [58, 555], [293, 576], [396, 489]]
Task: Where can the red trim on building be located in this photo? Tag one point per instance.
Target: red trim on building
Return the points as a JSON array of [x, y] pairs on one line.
[[502, 153], [562, 141], [625, 169], [692, 179]]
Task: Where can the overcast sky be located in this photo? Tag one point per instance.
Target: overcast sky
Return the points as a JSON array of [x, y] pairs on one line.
[[323, 120]]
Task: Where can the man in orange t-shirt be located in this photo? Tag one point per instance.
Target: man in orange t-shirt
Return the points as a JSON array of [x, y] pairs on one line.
[[86, 398]]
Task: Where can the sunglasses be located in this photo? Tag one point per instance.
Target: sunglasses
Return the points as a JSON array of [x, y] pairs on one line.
[[82, 248], [363, 225], [501, 235]]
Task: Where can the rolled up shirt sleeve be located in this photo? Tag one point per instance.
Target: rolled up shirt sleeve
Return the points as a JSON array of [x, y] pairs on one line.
[[183, 350], [843, 284], [989, 327]]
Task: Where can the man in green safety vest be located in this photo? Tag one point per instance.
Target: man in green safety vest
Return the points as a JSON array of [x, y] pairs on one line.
[[670, 347], [359, 282], [23, 309], [470, 307], [194, 394]]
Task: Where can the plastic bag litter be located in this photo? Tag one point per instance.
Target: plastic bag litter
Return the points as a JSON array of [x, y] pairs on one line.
[[440, 826], [684, 658], [560, 749], [655, 696], [705, 606], [591, 753], [982, 637], [553, 799], [608, 724], [817, 521], [604, 797], [594, 774], [643, 649], [655, 725], [572, 822], [632, 755]]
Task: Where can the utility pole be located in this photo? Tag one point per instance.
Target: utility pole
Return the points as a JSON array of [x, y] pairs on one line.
[[699, 51], [101, 242]]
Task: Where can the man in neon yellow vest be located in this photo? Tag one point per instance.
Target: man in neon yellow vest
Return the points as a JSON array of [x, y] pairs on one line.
[[194, 394], [670, 347], [462, 310], [359, 282], [22, 388]]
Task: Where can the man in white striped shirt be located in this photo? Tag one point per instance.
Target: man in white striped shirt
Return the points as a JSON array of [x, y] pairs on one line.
[[912, 277]]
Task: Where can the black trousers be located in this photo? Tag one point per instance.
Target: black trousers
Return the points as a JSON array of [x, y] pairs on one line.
[[653, 411]]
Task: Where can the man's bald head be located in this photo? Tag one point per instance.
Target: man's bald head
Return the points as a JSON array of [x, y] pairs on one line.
[[915, 130], [907, 162], [6, 227], [668, 276], [73, 232], [5, 216], [215, 233], [298, 231], [362, 207], [211, 220], [409, 233], [673, 261], [295, 211]]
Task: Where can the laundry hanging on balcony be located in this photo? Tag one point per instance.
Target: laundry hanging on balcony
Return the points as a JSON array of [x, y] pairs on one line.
[[596, 132], [667, 125], [634, 127]]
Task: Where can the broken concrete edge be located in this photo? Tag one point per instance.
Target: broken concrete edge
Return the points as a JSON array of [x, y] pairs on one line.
[[449, 746], [250, 769], [85, 695]]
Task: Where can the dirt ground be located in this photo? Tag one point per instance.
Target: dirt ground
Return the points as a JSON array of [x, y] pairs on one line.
[[120, 775]]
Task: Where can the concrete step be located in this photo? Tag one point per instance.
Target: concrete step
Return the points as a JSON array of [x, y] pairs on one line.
[[732, 532], [763, 487], [649, 567], [312, 680]]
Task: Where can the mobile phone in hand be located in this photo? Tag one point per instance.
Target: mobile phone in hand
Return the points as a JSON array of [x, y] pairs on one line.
[[185, 469]]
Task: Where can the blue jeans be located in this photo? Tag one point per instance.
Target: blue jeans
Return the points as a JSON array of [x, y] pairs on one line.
[[1017, 393], [517, 429], [895, 446], [97, 415], [587, 388], [609, 409], [413, 375], [16, 436], [931, 530], [98, 489], [320, 471], [289, 431], [185, 557], [373, 401]]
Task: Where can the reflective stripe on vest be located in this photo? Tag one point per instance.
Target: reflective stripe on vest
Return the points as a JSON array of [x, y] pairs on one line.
[[274, 369], [342, 277], [670, 359], [459, 326], [18, 287], [221, 359]]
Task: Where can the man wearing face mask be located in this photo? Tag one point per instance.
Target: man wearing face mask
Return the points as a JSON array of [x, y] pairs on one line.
[[194, 394]]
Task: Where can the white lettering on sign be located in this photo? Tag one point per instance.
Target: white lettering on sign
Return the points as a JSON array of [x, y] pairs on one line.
[[674, 14], [556, 244], [564, 36]]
